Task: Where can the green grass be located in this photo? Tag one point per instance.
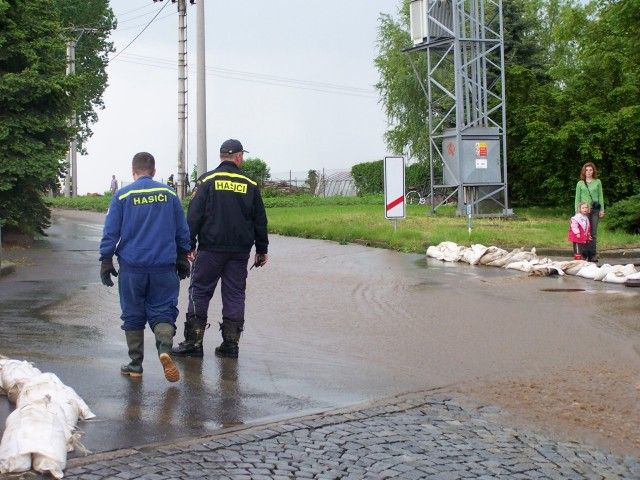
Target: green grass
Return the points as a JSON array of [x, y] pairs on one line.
[[361, 219]]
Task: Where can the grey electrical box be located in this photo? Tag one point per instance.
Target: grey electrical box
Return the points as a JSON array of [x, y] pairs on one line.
[[430, 20], [479, 158]]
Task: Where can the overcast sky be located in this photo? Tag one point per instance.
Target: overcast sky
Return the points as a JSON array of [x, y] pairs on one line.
[[293, 80]]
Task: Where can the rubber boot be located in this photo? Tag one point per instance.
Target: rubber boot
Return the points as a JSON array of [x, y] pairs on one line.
[[193, 338], [135, 343], [164, 342], [231, 331]]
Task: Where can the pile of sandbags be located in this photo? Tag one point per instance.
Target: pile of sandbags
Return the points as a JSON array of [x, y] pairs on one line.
[[528, 261], [42, 429]]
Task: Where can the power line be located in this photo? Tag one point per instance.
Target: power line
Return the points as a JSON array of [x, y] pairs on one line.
[[334, 90], [257, 77], [134, 10], [134, 18], [131, 27], [141, 31]]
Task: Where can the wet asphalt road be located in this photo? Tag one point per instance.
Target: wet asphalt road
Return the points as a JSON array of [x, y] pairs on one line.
[[327, 325]]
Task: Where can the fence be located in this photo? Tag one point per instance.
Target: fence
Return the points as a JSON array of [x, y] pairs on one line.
[[325, 183]]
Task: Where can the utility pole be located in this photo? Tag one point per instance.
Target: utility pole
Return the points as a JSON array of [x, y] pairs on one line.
[[201, 94], [182, 95], [71, 178]]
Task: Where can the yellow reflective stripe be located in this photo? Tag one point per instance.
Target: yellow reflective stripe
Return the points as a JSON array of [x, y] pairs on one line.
[[147, 190], [226, 174]]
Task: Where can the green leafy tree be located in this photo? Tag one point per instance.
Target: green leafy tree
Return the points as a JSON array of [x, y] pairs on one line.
[[312, 180], [36, 100], [90, 22], [573, 95], [402, 96], [256, 169]]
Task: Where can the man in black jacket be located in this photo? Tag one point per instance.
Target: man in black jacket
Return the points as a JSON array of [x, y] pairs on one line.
[[226, 219]]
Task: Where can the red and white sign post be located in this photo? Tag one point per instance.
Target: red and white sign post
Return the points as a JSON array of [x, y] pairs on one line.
[[394, 199]]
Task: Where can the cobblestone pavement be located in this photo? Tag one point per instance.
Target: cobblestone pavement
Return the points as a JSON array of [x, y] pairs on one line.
[[419, 436]]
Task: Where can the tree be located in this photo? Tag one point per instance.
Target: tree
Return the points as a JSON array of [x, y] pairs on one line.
[[573, 95], [36, 100], [257, 170], [312, 180], [92, 51]]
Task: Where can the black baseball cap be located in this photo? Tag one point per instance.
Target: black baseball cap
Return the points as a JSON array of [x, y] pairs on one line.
[[231, 146]]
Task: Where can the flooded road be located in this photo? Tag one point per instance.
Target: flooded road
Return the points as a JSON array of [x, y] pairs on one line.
[[327, 325]]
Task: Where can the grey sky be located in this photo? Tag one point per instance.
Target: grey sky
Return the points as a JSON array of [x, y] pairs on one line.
[[251, 45]]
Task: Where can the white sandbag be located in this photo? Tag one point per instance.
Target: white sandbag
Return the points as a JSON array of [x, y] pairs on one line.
[[523, 256], [590, 270], [492, 254], [446, 251], [48, 384], [12, 458], [434, 251], [547, 267], [573, 267], [602, 272], [473, 255], [634, 276], [522, 265], [36, 429], [619, 273], [13, 374], [451, 252], [504, 260]]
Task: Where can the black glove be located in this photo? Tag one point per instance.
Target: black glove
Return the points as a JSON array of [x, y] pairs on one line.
[[183, 267], [260, 259], [106, 270]]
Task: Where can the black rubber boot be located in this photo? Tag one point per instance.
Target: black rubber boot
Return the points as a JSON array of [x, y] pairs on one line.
[[231, 331], [164, 341], [193, 338], [135, 343]]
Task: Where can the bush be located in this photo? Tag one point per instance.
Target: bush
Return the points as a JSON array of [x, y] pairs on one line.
[[417, 175], [625, 215], [369, 177]]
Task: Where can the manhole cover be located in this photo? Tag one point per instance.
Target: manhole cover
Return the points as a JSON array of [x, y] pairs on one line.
[[562, 290]]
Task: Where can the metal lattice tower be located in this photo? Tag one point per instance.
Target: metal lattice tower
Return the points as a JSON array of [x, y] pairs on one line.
[[464, 84]]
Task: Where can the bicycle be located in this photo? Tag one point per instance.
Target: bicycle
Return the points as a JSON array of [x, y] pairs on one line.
[[415, 197]]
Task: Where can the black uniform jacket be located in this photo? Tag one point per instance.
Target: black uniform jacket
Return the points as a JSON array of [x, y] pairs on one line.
[[226, 213]]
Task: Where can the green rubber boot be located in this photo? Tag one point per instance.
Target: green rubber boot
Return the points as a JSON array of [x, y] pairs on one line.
[[164, 342], [135, 343]]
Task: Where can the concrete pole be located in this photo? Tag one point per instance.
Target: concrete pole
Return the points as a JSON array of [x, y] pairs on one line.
[[182, 94], [201, 93], [70, 180]]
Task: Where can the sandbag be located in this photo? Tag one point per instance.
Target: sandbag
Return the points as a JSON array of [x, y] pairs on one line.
[[473, 255], [48, 384], [619, 273], [36, 430], [13, 374], [504, 260], [528, 262], [492, 254]]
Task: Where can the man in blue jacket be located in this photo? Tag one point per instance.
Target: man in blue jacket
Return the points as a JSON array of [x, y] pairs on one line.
[[226, 219], [147, 230]]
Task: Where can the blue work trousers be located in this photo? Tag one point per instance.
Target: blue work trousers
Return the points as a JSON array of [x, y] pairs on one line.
[[148, 297], [208, 268]]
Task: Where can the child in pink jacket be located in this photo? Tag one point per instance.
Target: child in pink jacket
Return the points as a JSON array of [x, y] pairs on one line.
[[580, 230]]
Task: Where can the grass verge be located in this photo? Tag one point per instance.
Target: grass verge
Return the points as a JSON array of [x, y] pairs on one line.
[[361, 220]]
